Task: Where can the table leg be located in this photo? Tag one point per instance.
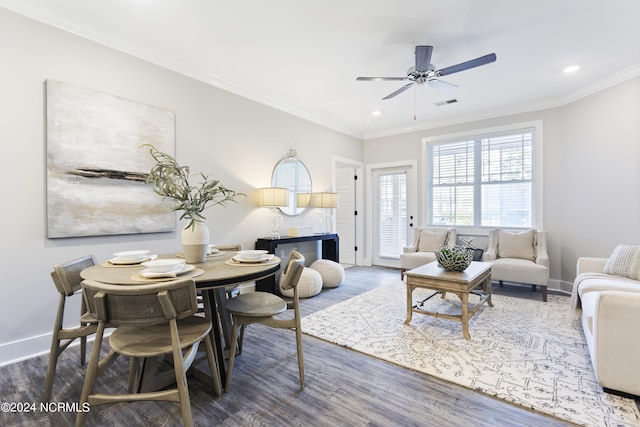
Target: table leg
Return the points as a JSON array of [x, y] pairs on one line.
[[464, 297], [409, 303], [487, 290], [211, 312], [225, 317]]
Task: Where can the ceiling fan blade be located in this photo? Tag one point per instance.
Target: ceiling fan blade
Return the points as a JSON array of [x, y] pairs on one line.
[[483, 60], [439, 84], [399, 91], [376, 79], [423, 58]]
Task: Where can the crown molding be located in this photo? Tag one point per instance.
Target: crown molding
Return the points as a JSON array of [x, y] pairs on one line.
[[190, 70], [182, 67]]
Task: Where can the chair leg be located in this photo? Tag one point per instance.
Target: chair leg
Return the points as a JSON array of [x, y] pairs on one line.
[[83, 349], [83, 339], [213, 365], [543, 289], [300, 355], [51, 369], [241, 338], [402, 270], [232, 353], [181, 379], [90, 376], [134, 375], [55, 351]]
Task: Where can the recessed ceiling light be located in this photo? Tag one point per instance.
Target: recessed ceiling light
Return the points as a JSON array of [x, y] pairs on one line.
[[376, 113], [571, 69]]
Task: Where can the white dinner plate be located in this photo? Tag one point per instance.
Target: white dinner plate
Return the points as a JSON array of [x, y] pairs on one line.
[[151, 274], [117, 261], [265, 258]]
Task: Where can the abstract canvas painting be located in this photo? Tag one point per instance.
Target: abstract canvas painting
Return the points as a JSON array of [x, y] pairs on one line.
[[96, 164]]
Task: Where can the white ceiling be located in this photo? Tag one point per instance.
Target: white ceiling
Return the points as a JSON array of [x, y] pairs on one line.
[[303, 56]]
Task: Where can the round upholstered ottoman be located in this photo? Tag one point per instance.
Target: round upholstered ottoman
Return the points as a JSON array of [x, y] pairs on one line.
[[310, 284], [331, 272]]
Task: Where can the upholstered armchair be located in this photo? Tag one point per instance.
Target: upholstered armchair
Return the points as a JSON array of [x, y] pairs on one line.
[[425, 242], [520, 258]]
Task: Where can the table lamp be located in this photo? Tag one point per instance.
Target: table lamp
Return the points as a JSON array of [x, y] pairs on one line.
[[327, 201], [274, 197], [303, 200]]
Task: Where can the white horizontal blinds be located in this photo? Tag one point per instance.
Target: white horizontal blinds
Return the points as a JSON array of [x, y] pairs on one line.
[[392, 211], [452, 184], [507, 180], [486, 180]]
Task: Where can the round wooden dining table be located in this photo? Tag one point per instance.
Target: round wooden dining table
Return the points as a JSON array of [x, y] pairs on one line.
[[212, 277]]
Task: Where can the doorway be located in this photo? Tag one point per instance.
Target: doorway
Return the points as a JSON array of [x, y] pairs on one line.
[[348, 218], [393, 202]]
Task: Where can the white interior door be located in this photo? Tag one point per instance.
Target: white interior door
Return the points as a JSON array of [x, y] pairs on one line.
[[393, 193], [345, 213]]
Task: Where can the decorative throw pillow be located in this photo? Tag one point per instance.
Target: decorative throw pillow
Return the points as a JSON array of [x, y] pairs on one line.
[[516, 245], [431, 239], [624, 261]]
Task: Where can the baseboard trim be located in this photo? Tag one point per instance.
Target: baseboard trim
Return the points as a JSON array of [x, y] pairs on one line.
[[28, 348]]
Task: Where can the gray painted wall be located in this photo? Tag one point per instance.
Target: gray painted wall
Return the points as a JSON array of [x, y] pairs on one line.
[[237, 140]]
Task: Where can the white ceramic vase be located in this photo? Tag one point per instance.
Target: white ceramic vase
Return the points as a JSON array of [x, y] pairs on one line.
[[195, 242]]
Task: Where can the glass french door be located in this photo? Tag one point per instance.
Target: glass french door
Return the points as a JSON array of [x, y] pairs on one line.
[[391, 206]]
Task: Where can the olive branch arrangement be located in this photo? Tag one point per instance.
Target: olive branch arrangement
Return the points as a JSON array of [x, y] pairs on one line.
[[172, 181]]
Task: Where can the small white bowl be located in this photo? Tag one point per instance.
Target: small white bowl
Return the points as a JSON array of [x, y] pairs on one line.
[[164, 265], [131, 255], [213, 249], [252, 255]]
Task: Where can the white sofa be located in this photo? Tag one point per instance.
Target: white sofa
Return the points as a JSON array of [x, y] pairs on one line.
[[425, 241], [611, 321], [519, 258]]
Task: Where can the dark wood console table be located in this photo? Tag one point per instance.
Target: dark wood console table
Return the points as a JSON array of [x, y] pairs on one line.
[[330, 250]]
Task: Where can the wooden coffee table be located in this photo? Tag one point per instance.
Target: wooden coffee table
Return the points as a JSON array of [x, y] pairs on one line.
[[432, 276]]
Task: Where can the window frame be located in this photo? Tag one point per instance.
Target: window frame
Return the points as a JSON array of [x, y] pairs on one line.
[[537, 188]]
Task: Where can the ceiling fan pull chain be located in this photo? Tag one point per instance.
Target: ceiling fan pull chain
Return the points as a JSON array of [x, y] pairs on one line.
[[414, 102]]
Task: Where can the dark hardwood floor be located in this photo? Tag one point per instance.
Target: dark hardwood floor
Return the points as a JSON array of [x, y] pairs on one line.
[[343, 387]]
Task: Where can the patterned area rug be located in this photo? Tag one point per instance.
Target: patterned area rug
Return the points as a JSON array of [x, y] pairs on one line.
[[523, 351]]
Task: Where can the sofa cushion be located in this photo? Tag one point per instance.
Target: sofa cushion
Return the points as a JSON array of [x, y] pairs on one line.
[[516, 245], [520, 271], [412, 260], [624, 261], [594, 282], [432, 239]]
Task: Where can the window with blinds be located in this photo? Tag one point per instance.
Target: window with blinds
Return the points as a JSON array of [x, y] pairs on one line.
[[482, 181]]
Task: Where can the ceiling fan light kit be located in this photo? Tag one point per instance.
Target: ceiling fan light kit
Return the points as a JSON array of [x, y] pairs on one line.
[[425, 73]]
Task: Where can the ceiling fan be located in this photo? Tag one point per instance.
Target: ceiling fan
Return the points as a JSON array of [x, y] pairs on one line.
[[425, 73]]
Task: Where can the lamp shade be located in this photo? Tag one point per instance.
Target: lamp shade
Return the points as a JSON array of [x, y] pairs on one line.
[[325, 200], [303, 200], [273, 197]]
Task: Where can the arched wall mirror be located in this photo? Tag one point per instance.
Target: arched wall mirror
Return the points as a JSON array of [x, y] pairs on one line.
[[291, 173]]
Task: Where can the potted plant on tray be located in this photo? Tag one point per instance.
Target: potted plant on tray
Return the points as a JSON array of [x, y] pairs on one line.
[[173, 181]]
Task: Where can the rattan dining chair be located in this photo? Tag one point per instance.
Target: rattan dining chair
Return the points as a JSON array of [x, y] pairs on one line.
[[152, 320], [67, 279], [262, 307]]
